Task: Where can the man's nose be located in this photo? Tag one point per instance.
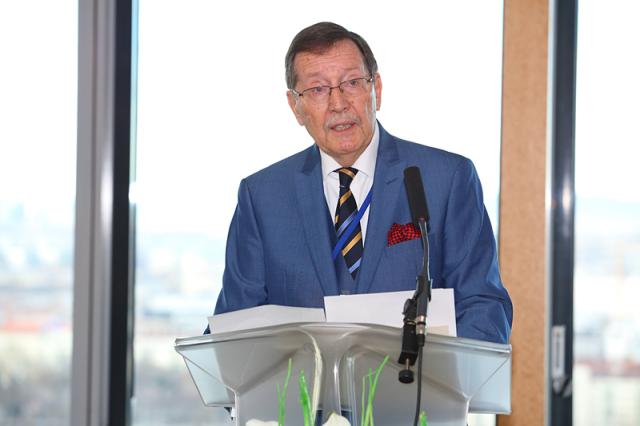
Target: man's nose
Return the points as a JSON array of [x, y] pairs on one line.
[[337, 100]]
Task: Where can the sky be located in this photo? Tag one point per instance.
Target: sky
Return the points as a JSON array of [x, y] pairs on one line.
[[38, 79]]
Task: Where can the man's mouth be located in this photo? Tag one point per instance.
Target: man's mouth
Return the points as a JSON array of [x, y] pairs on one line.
[[341, 127]]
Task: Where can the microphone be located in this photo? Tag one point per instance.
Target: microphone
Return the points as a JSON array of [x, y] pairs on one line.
[[415, 309], [415, 194], [420, 217], [414, 330]]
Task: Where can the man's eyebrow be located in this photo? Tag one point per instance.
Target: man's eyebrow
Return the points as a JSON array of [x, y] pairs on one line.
[[320, 76]]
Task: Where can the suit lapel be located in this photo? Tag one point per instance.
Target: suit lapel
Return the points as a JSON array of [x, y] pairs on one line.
[[312, 209], [387, 187]]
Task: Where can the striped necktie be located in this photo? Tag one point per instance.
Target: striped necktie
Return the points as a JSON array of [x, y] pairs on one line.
[[345, 213]]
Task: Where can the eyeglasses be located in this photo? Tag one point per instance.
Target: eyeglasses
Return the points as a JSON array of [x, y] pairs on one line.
[[350, 88]]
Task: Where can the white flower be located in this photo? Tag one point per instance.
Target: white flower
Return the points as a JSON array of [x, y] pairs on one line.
[[254, 422], [336, 420]]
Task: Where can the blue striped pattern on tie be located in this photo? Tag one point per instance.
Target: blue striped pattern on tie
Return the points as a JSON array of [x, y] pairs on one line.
[[346, 211]]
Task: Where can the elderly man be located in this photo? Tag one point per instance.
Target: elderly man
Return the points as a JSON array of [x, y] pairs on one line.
[[334, 218]]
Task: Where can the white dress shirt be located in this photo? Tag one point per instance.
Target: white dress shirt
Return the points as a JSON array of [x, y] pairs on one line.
[[361, 184]]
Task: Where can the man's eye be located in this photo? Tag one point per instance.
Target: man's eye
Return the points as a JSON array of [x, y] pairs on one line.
[[353, 83], [319, 90]]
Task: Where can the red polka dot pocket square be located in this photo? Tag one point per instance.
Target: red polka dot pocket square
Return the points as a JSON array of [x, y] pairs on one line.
[[400, 233]]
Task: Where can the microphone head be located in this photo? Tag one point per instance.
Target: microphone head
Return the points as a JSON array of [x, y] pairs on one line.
[[415, 194]]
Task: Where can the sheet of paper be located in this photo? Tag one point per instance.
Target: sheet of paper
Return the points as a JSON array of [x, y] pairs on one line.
[[263, 316], [386, 309]]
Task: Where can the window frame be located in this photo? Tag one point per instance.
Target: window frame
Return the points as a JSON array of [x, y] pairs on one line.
[[562, 214], [102, 330]]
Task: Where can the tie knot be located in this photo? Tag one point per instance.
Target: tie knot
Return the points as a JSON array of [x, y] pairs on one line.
[[346, 175]]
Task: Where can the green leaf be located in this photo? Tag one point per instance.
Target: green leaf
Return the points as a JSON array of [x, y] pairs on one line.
[[423, 418], [373, 384], [282, 396], [305, 401]]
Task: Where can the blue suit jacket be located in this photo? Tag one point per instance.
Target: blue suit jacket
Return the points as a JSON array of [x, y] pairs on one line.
[[280, 240]]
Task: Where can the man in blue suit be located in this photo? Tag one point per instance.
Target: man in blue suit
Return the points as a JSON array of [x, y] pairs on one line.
[[281, 247]]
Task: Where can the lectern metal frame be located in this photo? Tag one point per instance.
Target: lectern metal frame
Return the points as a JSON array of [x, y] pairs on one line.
[[241, 370]]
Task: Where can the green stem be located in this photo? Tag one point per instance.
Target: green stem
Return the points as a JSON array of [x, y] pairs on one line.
[[372, 392], [282, 396], [305, 400]]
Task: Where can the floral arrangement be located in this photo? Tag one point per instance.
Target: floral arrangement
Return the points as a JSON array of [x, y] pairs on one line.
[[369, 385]]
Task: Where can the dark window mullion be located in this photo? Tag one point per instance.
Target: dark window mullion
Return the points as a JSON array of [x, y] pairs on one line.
[[121, 308], [563, 206]]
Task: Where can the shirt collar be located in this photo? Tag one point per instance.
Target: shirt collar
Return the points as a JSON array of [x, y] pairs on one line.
[[365, 163]]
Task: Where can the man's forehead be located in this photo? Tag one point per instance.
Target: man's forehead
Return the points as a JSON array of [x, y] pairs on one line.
[[342, 56], [324, 72]]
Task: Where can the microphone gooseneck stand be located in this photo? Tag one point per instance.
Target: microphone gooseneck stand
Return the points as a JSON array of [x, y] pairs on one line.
[[414, 329]]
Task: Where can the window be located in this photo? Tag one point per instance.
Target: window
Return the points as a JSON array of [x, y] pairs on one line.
[[200, 131], [38, 87], [607, 259]]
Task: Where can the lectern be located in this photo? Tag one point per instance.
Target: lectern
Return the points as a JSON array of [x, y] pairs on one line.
[[241, 370]]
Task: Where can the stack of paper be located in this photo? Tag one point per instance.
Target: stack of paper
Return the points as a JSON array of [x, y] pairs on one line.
[[375, 308]]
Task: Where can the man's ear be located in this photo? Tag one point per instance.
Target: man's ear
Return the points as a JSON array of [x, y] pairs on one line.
[[378, 88], [293, 104]]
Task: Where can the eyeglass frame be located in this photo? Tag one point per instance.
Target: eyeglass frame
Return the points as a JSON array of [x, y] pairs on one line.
[[301, 93]]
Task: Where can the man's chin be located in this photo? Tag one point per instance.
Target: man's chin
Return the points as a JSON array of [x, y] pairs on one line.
[[348, 142], [347, 152]]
